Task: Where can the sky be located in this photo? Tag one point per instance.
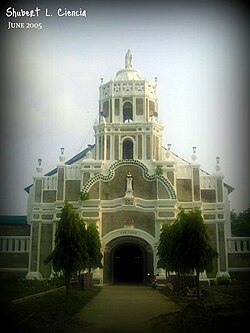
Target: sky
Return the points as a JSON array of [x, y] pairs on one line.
[[50, 81]]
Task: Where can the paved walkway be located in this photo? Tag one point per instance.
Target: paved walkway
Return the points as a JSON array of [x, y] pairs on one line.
[[119, 309]]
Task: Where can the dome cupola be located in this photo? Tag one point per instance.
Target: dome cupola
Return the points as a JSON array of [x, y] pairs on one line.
[[128, 73]]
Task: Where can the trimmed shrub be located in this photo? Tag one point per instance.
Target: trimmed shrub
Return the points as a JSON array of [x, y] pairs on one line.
[[223, 280]]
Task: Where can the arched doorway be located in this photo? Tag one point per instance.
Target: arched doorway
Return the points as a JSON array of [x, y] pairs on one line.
[[128, 262], [127, 259]]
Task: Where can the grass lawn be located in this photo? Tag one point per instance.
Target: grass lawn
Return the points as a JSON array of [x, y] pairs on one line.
[[49, 313], [17, 288], [221, 309]]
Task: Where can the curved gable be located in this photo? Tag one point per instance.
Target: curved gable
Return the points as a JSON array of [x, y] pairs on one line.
[[145, 186]]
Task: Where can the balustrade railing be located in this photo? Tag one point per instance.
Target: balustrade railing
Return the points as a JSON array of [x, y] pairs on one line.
[[14, 244], [183, 171], [207, 182], [238, 245]]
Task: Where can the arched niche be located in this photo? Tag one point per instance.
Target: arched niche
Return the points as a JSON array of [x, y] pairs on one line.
[[127, 149], [127, 112]]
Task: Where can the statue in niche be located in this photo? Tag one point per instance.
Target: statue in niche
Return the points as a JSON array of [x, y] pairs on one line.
[[129, 184], [128, 59]]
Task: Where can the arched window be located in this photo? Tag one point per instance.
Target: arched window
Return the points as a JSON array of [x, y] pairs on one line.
[[127, 112], [127, 149]]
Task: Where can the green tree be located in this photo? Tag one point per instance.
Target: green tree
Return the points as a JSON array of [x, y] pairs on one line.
[[93, 247], [69, 254], [198, 254], [241, 223], [159, 170], [170, 250], [83, 243], [164, 248], [184, 246]]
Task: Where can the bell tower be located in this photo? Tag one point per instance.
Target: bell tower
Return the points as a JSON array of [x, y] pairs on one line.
[[128, 126]]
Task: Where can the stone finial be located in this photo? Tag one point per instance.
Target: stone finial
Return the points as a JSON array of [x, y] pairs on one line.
[[194, 156], [168, 153], [128, 59], [39, 168], [218, 167], [218, 172], [62, 157]]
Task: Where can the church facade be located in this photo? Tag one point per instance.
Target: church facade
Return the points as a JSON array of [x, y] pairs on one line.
[[134, 186]]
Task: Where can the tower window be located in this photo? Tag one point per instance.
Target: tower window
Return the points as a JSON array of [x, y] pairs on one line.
[[117, 107], [108, 147], [127, 112], [151, 108], [127, 149], [148, 148], [106, 109], [139, 147], [139, 106], [116, 147]]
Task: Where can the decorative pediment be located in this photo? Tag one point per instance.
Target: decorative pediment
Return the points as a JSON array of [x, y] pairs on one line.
[[144, 184]]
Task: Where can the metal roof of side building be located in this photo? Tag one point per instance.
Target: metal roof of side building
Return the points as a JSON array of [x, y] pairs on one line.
[[13, 219]]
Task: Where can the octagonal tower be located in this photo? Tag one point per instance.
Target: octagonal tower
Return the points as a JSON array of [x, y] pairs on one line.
[[128, 125]]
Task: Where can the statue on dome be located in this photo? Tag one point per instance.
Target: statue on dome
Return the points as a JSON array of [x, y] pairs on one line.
[[128, 59]]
